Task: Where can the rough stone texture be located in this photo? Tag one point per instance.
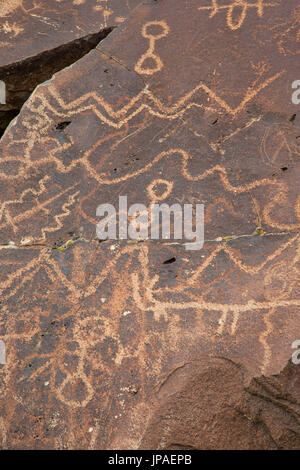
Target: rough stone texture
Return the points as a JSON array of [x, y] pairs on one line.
[[31, 27], [40, 37], [180, 103], [263, 415]]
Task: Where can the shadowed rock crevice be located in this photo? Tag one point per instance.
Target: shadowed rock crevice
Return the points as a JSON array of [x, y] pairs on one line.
[[210, 404], [23, 77]]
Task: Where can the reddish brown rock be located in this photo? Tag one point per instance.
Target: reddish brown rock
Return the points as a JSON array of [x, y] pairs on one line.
[[206, 404], [39, 38], [30, 28], [148, 345]]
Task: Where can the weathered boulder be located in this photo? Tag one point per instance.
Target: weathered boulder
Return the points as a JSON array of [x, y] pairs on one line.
[[148, 345]]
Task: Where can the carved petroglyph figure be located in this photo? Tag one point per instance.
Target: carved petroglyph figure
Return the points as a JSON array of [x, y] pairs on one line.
[[159, 29], [8, 6], [237, 11]]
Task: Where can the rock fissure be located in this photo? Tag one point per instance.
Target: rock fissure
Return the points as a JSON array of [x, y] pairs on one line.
[[23, 77]]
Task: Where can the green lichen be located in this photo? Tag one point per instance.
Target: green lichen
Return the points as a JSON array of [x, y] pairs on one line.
[[259, 231], [135, 242], [70, 243], [65, 246]]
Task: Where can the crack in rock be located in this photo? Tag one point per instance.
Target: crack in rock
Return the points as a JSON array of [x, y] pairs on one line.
[[23, 77]]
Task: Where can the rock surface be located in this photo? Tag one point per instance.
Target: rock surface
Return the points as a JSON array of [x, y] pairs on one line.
[[29, 28], [147, 345], [39, 38]]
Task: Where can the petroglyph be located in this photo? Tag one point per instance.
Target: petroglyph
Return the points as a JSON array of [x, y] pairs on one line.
[[8, 6], [102, 333], [161, 30], [237, 10]]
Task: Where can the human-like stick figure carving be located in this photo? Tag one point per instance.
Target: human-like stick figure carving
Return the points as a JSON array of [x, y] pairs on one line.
[[237, 8], [163, 31]]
